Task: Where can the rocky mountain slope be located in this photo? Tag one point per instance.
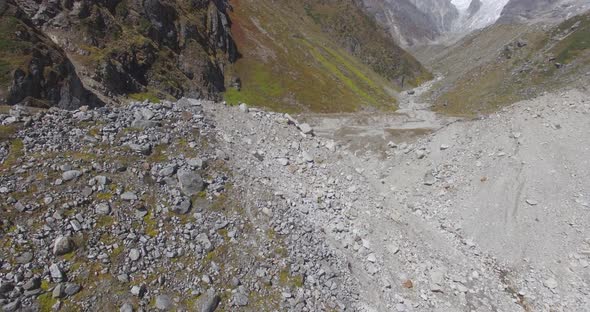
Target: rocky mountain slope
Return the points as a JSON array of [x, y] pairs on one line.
[[316, 55], [477, 14], [290, 54], [511, 62], [144, 49], [542, 10], [413, 22], [33, 69]]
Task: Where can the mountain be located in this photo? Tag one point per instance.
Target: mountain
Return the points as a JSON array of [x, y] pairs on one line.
[[310, 55], [318, 55], [508, 62], [143, 49], [542, 10], [477, 14], [413, 22]]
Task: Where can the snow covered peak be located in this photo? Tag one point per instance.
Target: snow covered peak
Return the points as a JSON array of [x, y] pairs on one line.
[[478, 16]]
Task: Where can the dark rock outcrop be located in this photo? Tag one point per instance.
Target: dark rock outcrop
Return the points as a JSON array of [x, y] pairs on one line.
[[147, 48], [38, 72]]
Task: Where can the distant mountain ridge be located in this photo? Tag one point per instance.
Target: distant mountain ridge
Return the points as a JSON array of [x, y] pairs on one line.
[[423, 22]]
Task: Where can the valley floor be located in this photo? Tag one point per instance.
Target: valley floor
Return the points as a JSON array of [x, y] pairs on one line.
[[482, 215], [196, 206]]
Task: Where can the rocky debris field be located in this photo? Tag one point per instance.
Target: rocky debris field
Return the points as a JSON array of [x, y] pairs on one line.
[[137, 208], [195, 205]]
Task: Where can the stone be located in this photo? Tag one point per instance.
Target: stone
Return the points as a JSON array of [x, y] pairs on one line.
[[532, 202], [146, 114], [12, 307], [32, 284], [129, 196], [305, 128], [429, 178], [58, 291], [195, 162], [24, 258], [444, 147], [56, 273], [145, 149], [163, 303], [71, 175], [123, 278], [307, 157], [6, 287], [72, 289], [209, 301], [134, 254], [76, 226], [283, 161], [371, 258], [550, 283], [420, 154], [138, 291], [19, 207], [103, 209], [204, 241], [244, 108], [144, 124], [62, 245], [102, 180], [436, 280], [167, 171], [190, 183], [240, 299], [183, 207], [127, 307]]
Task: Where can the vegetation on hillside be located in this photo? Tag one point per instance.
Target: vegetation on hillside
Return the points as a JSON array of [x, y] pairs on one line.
[[527, 61], [292, 61]]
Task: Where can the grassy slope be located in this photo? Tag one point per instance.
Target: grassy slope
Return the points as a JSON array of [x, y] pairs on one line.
[[482, 84], [289, 63]]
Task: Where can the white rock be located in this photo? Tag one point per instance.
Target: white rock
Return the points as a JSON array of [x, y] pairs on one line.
[[550, 283], [244, 108], [134, 254], [305, 128]]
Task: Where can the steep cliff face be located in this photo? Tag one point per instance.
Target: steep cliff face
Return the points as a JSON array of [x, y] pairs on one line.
[[142, 48], [33, 70], [442, 13], [413, 22]]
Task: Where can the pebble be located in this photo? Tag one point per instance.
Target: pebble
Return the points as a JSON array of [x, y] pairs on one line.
[[305, 128], [62, 245], [71, 175], [129, 196], [163, 303], [103, 209], [134, 254], [550, 283]]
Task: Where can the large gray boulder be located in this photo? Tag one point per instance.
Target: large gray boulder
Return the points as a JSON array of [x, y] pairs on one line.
[[190, 182]]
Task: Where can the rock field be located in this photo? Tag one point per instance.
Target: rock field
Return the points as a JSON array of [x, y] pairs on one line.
[[198, 206]]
